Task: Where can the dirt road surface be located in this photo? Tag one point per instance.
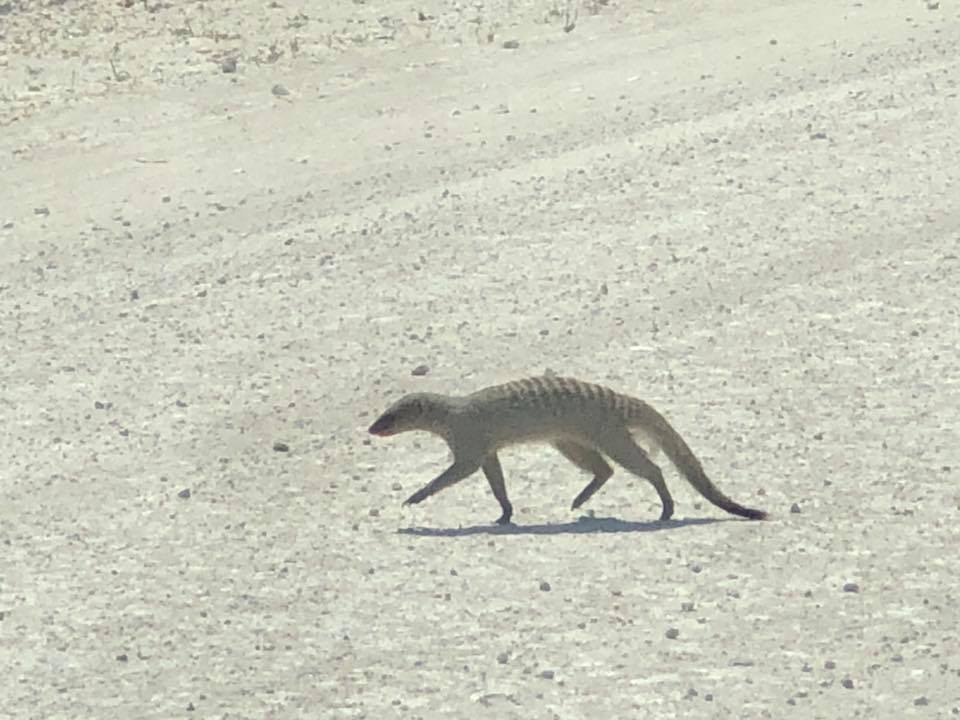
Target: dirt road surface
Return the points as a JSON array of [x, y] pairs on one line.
[[230, 231]]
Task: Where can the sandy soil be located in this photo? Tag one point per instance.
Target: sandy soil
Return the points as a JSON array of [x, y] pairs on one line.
[[745, 212]]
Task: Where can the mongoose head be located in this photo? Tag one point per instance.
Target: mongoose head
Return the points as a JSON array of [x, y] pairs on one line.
[[417, 411]]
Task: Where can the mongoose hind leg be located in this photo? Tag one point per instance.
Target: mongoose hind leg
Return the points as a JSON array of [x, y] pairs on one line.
[[589, 460], [624, 451], [494, 473]]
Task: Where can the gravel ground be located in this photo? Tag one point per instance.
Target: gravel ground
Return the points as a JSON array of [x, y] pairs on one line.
[[231, 231]]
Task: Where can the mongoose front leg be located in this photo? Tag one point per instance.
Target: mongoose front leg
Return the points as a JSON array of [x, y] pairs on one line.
[[453, 474], [589, 460], [494, 473], [624, 451]]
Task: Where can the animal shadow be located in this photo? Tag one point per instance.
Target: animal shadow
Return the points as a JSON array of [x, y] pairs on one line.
[[584, 525]]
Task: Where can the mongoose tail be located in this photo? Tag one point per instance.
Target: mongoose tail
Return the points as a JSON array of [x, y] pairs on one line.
[[680, 454]]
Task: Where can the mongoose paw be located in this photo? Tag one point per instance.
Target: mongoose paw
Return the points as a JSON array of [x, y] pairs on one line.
[[577, 502], [503, 520], [415, 498]]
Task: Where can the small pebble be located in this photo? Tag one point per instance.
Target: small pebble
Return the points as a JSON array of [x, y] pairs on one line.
[[696, 568], [502, 658], [829, 664], [545, 586], [511, 44], [672, 633], [185, 493], [795, 509], [847, 683], [420, 370], [374, 512], [686, 606], [547, 674], [279, 90], [229, 65], [851, 587], [281, 447], [921, 701], [122, 657]]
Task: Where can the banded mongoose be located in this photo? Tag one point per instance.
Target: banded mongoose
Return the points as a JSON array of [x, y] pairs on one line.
[[582, 420]]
